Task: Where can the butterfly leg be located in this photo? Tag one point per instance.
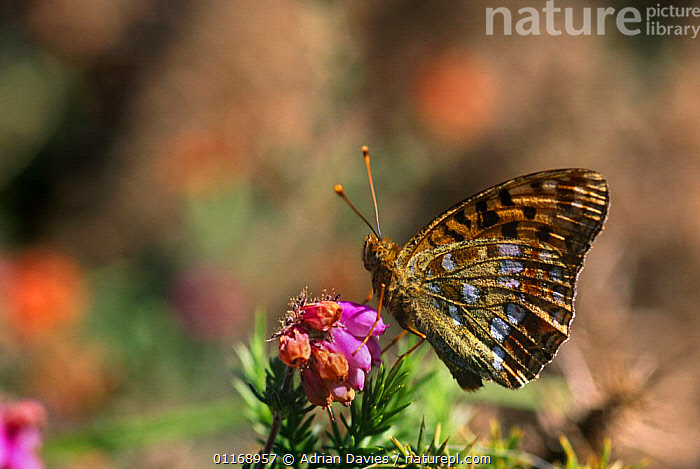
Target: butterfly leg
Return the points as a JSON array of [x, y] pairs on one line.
[[420, 342], [396, 339], [402, 334], [379, 309], [415, 332]]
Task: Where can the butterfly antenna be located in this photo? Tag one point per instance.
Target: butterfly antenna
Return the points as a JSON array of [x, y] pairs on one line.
[[365, 154], [341, 192]]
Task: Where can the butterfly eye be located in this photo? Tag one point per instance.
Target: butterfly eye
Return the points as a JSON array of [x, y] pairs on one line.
[[368, 253]]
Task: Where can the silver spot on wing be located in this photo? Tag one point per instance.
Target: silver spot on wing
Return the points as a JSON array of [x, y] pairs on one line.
[[511, 267], [509, 282], [515, 313], [470, 293], [447, 262], [498, 356], [453, 314], [556, 273], [509, 250], [499, 329]]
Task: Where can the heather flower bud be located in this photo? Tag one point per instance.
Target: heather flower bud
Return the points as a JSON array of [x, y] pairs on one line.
[[332, 366], [343, 393], [295, 348], [375, 351], [322, 315], [316, 391], [356, 378]]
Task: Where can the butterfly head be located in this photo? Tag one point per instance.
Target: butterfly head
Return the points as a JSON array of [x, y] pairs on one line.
[[379, 254]]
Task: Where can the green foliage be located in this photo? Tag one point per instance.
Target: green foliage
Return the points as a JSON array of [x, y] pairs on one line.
[[251, 375], [289, 402], [373, 414], [370, 433], [601, 462], [282, 399]]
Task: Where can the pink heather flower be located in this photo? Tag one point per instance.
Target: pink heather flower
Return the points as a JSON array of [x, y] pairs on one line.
[[333, 332], [20, 437], [347, 344], [358, 319], [356, 378]]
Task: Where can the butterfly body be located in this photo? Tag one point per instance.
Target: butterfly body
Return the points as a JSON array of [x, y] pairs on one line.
[[490, 282]]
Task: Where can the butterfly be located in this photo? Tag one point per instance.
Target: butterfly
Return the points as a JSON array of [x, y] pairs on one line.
[[490, 283]]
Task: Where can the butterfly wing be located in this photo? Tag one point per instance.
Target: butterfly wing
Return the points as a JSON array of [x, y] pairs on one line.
[[562, 208], [500, 269]]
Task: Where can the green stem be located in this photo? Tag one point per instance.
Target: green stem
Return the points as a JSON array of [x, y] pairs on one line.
[[276, 417]]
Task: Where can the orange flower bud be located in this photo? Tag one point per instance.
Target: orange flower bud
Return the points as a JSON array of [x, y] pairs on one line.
[[332, 366], [315, 389], [322, 315], [295, 349]]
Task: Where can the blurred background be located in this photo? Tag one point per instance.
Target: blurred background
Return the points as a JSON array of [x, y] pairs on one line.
[[166, 167]]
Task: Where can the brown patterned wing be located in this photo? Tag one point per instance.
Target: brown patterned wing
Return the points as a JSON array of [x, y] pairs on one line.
[[496, 274], [564, 209], [493, 308]]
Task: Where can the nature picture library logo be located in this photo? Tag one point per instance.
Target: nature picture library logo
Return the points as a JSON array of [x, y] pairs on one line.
[[659, 20]]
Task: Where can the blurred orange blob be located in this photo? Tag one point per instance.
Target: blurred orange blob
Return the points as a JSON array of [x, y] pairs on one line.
[[70, 378], [44, 290], [456, 96], [200, 160]]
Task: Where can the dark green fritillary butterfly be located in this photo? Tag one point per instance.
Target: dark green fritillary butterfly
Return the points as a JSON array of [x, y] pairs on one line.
[[490, 283]]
